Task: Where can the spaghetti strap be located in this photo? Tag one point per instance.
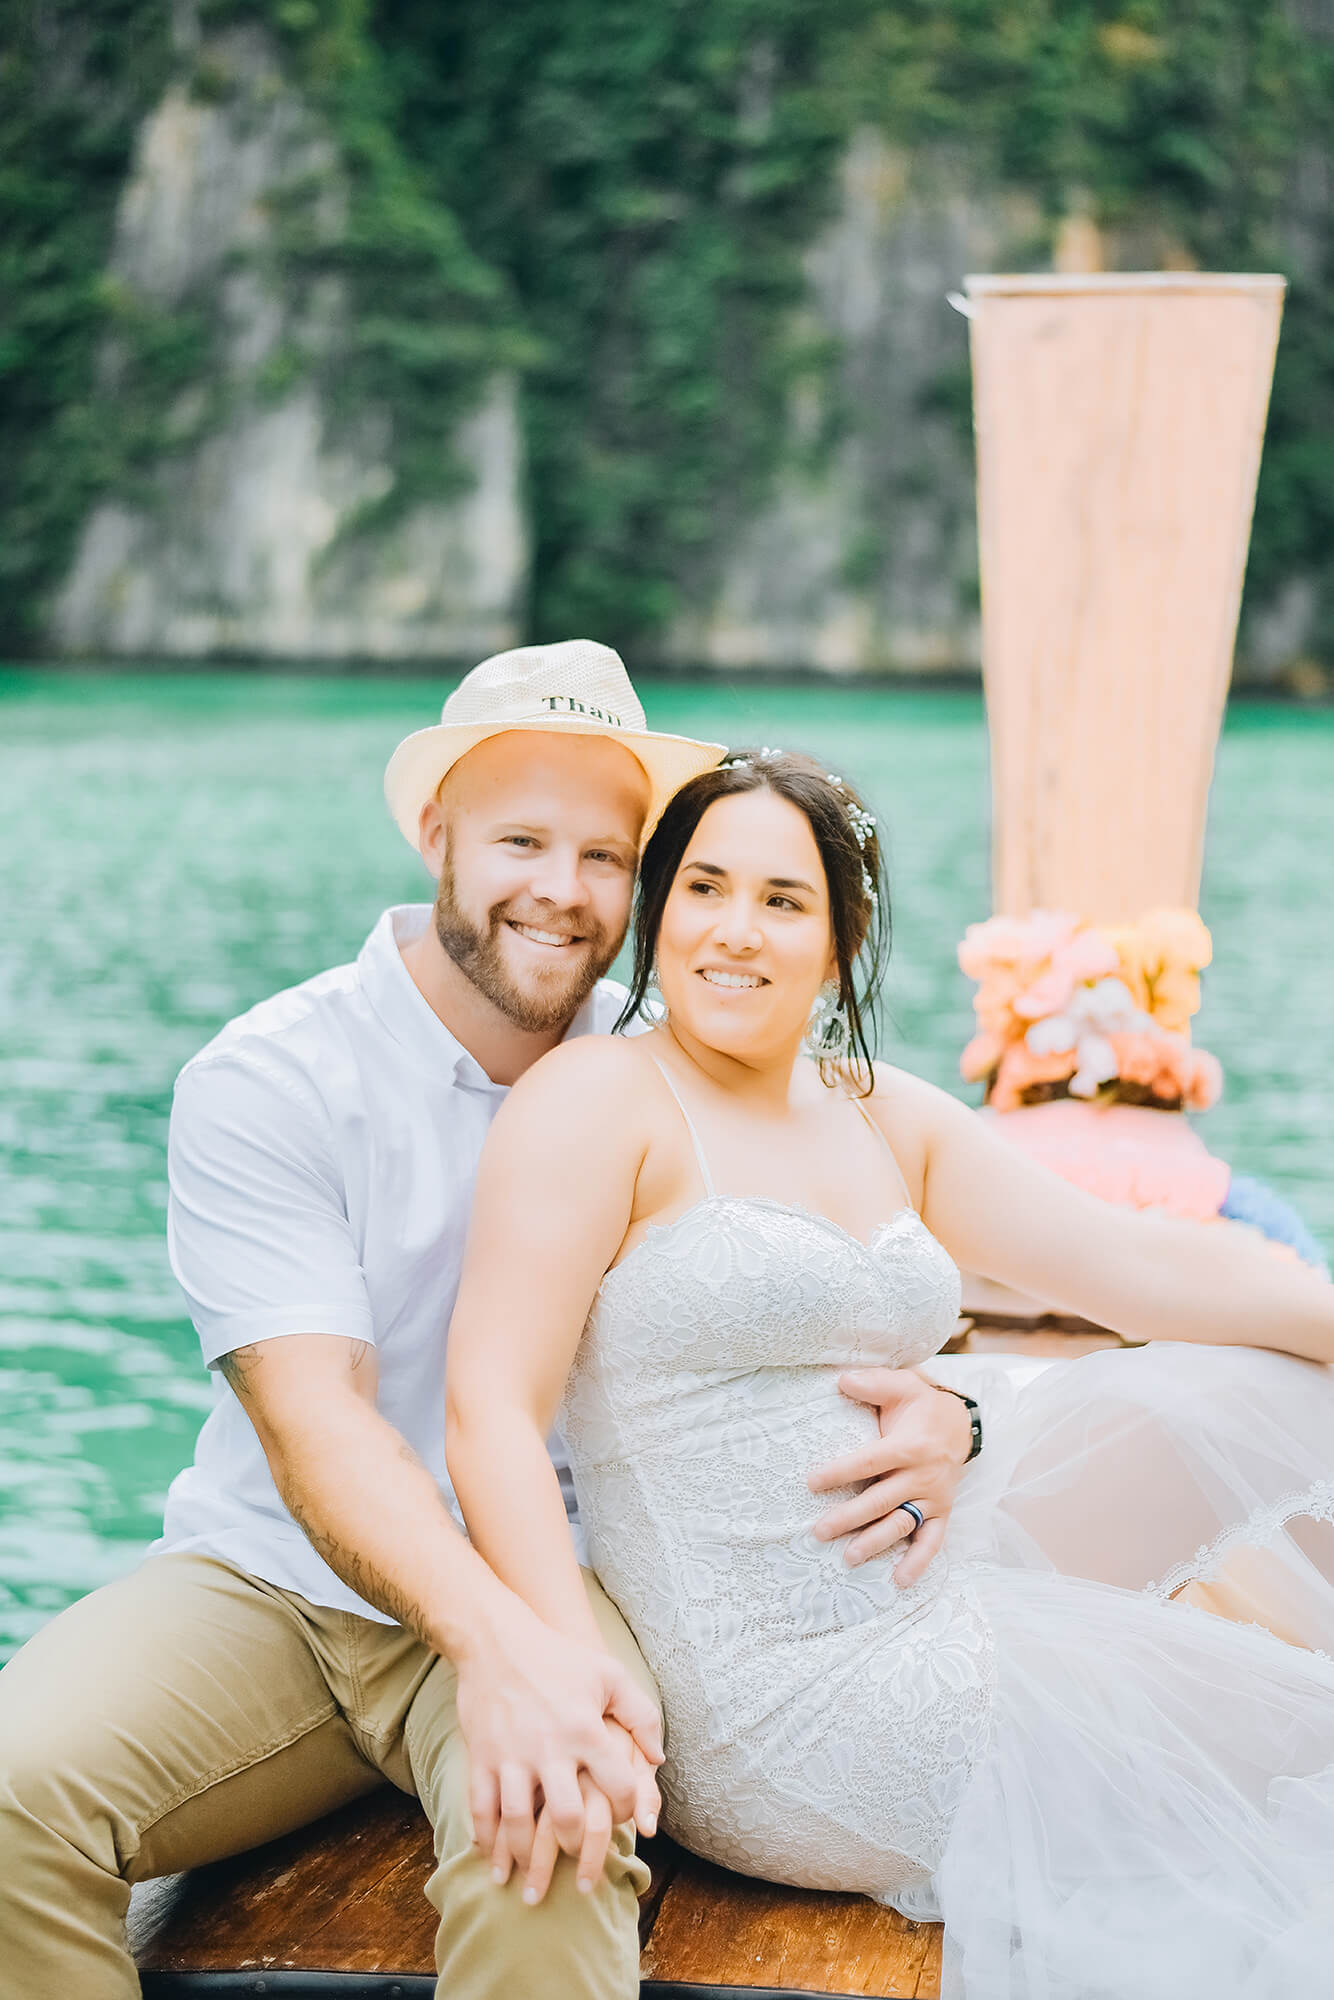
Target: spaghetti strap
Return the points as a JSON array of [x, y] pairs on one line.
[[875, 1126], [700, 1160]]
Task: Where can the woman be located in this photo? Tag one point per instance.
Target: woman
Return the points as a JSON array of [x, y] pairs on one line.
[[685, 1236]]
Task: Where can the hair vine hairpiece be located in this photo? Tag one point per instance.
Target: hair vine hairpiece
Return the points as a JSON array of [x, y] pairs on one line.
[[863, 824]]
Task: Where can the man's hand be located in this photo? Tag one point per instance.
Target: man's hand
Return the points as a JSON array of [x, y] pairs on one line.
[[925, 1436], [535, 1710]]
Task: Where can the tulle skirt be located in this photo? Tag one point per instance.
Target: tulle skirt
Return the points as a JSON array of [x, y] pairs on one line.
[[1153, 1815]]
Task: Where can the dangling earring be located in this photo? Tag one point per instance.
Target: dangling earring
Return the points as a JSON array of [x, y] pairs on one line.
[[828, 1033]]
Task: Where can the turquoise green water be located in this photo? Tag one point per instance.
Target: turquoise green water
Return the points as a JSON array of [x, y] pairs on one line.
[[174, 849]]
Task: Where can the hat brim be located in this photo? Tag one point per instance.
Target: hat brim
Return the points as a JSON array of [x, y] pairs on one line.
[[423, 760]]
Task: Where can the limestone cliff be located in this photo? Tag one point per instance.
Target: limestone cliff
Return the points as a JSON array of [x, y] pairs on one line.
[[867, 560], [263, 530], [332, 465]]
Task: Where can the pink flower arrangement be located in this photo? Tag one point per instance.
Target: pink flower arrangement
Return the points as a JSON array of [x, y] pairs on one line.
[[1061, 1001]]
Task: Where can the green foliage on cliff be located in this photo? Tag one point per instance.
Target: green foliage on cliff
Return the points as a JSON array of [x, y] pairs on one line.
[[616, 198], [427, 319], [74, 83], [1182, 113], [647, 178], [103, 381]]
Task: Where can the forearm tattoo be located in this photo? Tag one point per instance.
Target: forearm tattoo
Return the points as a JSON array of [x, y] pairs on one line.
[[360, 1574], [236, 1369]]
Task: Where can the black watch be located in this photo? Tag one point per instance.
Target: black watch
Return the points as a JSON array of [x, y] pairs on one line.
[[974, 1418]]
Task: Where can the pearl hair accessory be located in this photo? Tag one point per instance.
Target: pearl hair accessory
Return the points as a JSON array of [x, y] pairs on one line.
[[863, 824]]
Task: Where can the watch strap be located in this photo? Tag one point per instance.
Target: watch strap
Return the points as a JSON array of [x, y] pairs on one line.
[[974, 1418]]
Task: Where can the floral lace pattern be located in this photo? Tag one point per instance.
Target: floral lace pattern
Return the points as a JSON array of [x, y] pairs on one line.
[[1259, 1530], [703, 1392]]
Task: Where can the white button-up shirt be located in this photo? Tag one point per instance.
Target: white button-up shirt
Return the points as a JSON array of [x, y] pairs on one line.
[[321, 1164]]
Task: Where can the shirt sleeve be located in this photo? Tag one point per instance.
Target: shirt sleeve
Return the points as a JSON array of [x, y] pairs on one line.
[[611, 997], [257, 1226]]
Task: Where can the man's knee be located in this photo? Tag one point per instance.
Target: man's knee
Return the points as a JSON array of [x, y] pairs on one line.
[[49, 1796], [491, 1945], [584, 1946], [62, 1896]]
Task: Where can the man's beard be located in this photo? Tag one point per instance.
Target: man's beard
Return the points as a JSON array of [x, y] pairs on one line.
[[554, 996]]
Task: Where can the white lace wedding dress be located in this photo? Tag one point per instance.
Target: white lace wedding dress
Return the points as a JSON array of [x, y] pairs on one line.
[[1106, 1795]]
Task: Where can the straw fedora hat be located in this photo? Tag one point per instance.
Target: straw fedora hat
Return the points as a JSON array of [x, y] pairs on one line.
[[574, 688]]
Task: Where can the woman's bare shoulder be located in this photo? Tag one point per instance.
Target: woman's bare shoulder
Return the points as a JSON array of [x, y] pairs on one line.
[[915, 1116], [593, 1083], [900, 1093], [597, 1062]]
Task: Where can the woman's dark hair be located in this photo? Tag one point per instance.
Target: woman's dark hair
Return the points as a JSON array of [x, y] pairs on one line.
[[845, 835]]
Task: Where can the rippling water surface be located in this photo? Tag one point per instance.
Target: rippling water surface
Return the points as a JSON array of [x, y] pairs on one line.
[[173, 849]]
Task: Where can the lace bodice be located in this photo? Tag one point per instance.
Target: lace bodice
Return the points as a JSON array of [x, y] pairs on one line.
[[703, 1393]]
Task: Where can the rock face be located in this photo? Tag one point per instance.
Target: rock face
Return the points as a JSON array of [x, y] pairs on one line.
[[248, 543], [259, 537], [265, 528], [868, 561]]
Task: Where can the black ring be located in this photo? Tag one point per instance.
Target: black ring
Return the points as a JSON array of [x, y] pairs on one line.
[[911, 1507]]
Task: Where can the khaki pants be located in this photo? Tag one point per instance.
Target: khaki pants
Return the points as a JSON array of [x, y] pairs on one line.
[[189, 1712]]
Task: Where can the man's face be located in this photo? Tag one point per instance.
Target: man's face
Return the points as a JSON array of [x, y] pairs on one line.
[[536, 838]]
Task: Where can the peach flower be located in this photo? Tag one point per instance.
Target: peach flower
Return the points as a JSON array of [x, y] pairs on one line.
[[1160, 959], [1014, 941], [1206, 1080], [1062, 1001], [981, 1056], [1076, 962]]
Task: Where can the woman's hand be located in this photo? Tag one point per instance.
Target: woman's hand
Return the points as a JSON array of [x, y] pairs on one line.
[[552, 1726], [591, 1855], [925, 1438]]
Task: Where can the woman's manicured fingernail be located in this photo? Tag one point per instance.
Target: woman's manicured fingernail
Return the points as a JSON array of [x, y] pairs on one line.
[[530, 1896], [651, 1823], [498, 1876], [585, 1885]]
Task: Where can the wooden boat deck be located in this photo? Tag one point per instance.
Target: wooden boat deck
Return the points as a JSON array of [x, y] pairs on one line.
[[337, 1911]]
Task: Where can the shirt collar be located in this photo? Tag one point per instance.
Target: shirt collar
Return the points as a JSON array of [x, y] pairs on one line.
[[411, 1019]]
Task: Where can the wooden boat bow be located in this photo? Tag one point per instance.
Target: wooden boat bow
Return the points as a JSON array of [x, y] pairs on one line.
[[337, 1912]]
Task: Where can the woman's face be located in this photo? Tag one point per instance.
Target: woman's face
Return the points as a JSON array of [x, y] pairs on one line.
[[745, 943]]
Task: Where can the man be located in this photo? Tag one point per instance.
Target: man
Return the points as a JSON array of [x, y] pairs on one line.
[[312, 1622]]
